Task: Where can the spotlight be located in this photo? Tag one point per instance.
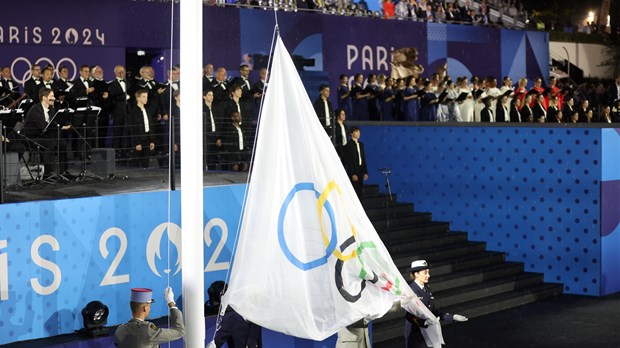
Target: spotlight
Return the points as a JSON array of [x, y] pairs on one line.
[[95, 316]]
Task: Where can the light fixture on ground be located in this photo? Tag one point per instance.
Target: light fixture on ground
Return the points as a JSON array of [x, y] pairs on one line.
[[95, 316]]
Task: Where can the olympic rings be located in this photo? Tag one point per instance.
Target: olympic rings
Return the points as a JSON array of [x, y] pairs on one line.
[[366, 274], [331, 245], [321, 202], [43, 61]]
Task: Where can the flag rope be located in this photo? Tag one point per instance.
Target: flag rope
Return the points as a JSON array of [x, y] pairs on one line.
[[170, 167]]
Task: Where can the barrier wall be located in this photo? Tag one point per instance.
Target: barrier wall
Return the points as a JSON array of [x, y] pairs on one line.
[[56, 256], [547, 196]]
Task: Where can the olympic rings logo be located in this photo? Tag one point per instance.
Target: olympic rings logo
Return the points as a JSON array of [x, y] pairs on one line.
[[21, 68], [360, 249]]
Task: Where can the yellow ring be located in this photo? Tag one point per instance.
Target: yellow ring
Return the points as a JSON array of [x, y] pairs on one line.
[[320, 204]]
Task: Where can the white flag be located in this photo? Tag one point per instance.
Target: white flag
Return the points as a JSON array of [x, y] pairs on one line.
[[308, 261]]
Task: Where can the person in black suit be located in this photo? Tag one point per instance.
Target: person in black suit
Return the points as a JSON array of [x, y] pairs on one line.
[[101, 98], [47, 81], [606, 115], [237, 143], [207, 77], [502, 113], [552, 110], [583, 110], [340, 134], [220, 87], [515, 114], [486, 114], [243, 81], [82, 89], [8, 82], [119, 99], [212, 137], [614, 90], [143, 134], [526, 111], [166, 103], [420, 274], [236, 103], [538, 111], [62, 85], [355, 161], [257, 90], [36, 128], [30, 86], [324, 110], [615, 111]]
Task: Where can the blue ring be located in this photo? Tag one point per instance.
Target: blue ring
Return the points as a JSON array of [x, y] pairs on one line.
[[305, 266]]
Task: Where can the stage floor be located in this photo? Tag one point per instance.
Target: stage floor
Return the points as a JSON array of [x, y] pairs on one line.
[[125, 180]]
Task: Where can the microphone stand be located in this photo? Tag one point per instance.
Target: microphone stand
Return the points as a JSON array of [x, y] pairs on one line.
[[57, 176], [386, 172], [84, 174]]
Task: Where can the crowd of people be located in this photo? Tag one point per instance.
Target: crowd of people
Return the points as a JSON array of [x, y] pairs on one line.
[[442, 99], [456, 11], [140, 117]]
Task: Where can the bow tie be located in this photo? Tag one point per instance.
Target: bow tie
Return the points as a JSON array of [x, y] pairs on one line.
[[121, 80]]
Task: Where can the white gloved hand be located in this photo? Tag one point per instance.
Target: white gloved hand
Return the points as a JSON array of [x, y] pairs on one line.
[[434, 321], [169, 295], [458, 317], [211, 344]]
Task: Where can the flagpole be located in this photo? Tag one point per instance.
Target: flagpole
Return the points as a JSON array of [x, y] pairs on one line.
[[191, 173]]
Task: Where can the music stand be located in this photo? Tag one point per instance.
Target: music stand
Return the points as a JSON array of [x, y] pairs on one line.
[[58, 115], [86, 117], [8, 120]]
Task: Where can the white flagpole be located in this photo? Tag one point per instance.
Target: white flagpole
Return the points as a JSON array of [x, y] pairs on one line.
[[191, 173]]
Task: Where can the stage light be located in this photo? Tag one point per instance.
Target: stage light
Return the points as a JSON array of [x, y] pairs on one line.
[[141, 53], [95, 316]]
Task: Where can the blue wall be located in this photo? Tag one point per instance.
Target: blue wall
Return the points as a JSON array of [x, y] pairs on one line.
[[79, 239], [534, 193]]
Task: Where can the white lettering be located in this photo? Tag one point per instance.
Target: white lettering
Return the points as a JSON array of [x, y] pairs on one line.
[[100, 36], [4, 272], [351, 58], [372, 58], [36, 35], [110, 278], [382, 58], [56, 34], [86, 34], [367, 58], [13, 34], [213, 265], [46, 264]]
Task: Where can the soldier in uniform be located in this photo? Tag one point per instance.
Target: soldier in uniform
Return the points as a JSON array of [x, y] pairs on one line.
[[414, 336], [139, 333]]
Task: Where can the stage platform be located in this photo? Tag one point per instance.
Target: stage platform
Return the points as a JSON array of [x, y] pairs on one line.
[[126, 180]]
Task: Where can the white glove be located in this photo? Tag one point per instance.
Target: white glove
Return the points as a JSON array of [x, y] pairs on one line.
[[458, 317], [211, 344], [169, 295], [434, 321]]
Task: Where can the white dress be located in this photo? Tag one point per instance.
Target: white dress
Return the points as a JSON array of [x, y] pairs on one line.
[[466, 108]]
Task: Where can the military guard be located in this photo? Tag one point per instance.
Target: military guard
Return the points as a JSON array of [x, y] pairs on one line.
[[414, 328], [139, 333]]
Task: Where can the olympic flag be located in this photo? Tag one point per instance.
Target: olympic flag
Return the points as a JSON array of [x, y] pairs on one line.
[[308, 261]]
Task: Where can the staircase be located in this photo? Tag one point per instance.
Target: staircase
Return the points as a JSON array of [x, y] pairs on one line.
[[465, 277]]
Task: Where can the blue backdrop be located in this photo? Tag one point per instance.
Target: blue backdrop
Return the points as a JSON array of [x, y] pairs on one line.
[[534, 193]]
